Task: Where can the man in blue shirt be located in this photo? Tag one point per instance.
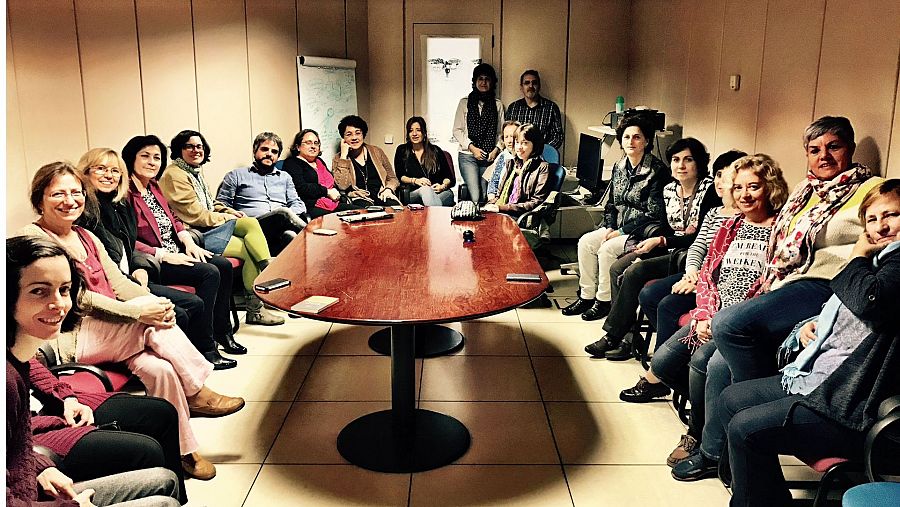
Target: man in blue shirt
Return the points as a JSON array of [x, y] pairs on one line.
[[266, 193]]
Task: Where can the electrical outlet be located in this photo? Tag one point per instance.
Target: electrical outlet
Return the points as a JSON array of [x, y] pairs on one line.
[[388, 139], [735, 82]]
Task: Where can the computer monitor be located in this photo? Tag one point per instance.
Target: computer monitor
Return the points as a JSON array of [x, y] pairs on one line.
[[589, 162]]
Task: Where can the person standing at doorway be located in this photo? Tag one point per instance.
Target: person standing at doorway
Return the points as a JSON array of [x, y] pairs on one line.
[[476, 128]]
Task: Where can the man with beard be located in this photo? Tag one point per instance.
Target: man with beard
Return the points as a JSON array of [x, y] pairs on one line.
[[537, 110], [266, 193]]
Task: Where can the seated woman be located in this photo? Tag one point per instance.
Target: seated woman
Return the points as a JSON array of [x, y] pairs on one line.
[[687, 199], [824, 402], [523, 185], [74, 426], [312, 179], [634, 203], [226, 231], [736, 257], [361, 170], [811, 242], [666, 300], [812, 238], [122, 321], [41, 284], [423, 167], [510, 127], [110, 216]]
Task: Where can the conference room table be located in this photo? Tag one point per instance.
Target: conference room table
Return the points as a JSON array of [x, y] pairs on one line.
[[406, 271]]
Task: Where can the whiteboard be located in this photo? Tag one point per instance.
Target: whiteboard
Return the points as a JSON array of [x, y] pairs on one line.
[[327, 88]]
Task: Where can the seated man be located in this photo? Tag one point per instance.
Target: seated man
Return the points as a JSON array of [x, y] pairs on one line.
[[266, 193]]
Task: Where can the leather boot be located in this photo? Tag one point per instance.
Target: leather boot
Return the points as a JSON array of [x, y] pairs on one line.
[[219, 362], [229, 344], [208, 403], [257, 314], [198, 467]]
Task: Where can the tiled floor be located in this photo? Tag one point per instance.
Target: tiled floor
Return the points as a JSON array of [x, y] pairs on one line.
[[546, 423]]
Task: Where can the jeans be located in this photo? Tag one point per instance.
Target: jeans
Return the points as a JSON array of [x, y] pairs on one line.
[[471, 170], [718, 377], [141, 488], [627, 278], [756, 415], [749, 332], [663, 308], [428, 197]]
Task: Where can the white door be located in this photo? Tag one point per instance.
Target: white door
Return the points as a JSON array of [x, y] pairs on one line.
[[443, 57]]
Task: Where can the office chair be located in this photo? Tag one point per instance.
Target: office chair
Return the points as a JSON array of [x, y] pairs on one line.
[[550, 154]]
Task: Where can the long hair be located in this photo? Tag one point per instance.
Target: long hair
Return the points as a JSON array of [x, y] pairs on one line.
[[44, 176], [21, 252], [104, 156], [429, 159]]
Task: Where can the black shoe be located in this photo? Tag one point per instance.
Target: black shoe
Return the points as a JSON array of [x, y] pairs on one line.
[[644, 391], [695, 468], [579, 306], [622, 352], [230, 345], [599, 310], [219, 362], [599, 348]]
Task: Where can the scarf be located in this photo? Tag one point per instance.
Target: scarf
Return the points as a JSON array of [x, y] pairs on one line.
[[791, 248], [684, 218], [481, 123], [708, 301], [197, 182]]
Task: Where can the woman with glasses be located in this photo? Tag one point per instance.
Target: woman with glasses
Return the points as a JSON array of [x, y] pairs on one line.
[[225, 231], [110, 216], [361, 170], [122, 322], [313, 180]]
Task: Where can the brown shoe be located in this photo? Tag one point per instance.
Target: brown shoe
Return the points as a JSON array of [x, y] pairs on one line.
[[208, 403], [198, 467], [685, 449]]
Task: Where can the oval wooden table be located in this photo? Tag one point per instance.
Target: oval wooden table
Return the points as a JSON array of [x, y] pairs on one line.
[[408, 270]]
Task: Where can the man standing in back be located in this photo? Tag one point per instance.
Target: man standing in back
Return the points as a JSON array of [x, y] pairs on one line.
[[266, 193], [537, 110]]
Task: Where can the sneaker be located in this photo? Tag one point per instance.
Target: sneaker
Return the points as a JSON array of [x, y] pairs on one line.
[[696, 467], [579, 306], [599, 310], [686, 447], [644, 391]]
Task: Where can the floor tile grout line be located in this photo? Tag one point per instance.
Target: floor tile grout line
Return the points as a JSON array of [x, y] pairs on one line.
[[547, 415]]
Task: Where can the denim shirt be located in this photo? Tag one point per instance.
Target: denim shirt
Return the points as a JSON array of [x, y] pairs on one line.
[[255, 194]]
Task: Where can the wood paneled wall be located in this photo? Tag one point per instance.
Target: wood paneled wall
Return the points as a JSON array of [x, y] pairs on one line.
[[91, 73], [797, 61]]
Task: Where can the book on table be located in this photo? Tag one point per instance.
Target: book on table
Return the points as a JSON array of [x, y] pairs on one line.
[[314, 304]]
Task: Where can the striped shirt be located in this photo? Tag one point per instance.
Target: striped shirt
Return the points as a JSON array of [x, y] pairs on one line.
[[697, 251], [545, 116]]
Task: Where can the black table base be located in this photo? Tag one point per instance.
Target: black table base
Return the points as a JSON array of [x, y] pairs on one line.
[[372, 442], [403, 439], [441, 340]]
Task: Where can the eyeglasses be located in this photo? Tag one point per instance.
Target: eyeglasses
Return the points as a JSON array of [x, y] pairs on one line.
[[311, 143], [194, 147], [112, 171], [62, 196]]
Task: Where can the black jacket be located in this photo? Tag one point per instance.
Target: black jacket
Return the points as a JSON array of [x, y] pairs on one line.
[[850, 396], [306, 180]]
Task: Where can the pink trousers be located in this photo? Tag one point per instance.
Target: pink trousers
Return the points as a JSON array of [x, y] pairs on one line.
[[163, 359]]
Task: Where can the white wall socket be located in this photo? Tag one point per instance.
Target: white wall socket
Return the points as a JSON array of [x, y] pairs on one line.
[[388, 139]]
